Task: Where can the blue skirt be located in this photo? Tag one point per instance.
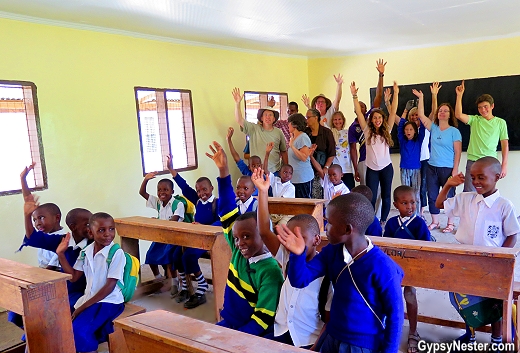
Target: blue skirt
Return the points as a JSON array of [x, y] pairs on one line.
[[160, 254], [94, 324]]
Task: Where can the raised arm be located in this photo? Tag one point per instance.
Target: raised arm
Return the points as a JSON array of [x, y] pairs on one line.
[[23, 179], [142, 189], [458, 104], [302, 153], [380, 67], [387, 97], [339, 91], [434, 88], [232, 150], [188, 192], [443, 195], [315, 163], [393, 109], [268, 149], [306, 101], [354, 159], [65, 265], [420, 110], [263, 216], [237, 96], [29, 206], [409, 105], [357, 107]]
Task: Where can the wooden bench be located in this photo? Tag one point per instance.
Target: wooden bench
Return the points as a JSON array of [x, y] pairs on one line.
[[40, 296], [289, 206], [210, 238], [468, 269], [162, 331], [116, 340]]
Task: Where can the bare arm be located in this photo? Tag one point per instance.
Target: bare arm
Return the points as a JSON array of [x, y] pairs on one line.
[[457, 146], [510, 241], [420, 110], [354, 158], [172, 171], [285, 157], [23, 179], [220, 159], [232, 149], [142, 189], [380, 67], [237, 96], [65, 265], [393, 111], [357, 107], [458, 104], [268, 150], [409, 105], [316, 165], [443, 195], [306, 101], [434, 88], [302, 153], [29, 206], [339, 91], [504, 144]]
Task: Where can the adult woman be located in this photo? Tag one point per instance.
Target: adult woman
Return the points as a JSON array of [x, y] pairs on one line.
[[446, 148], [342, 158], [299, 156], [325, 148], [378, 141]]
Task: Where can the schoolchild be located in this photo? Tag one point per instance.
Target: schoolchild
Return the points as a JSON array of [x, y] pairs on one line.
[[331, 180], [375, 228], [244, 195]]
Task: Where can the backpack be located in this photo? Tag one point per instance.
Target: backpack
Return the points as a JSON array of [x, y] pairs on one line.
[[130, 272], [189, 207], [477, 311]]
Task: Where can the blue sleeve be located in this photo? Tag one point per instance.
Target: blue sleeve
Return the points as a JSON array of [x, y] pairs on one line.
[[301, 273], [456, 134], [43, 240], [420, 137], [424, 232], [400, 130], [393, 310], [244, 168], [375, 228], [390, 227], [187, 190], [226, 196]]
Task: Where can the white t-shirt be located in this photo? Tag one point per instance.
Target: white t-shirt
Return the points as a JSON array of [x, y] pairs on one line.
[[378, 151], [425, 149], [166, 212], [281, 189]]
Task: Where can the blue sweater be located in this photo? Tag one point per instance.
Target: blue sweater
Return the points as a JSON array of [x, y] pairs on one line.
[[375, 228], [410, 149], [351, 321], [203, 212], [417, 227]]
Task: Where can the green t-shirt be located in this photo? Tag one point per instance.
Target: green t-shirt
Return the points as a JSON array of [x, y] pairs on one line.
[[485, 135], [258, 140]]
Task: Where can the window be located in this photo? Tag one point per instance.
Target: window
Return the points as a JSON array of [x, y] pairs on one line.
[[165, 119], [20, 137], [257, 100]]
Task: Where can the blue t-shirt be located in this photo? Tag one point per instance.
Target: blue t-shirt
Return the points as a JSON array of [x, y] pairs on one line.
[[442, 151], [302, 171]]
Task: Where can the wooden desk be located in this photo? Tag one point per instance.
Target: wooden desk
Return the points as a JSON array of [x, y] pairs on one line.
[[290, 206], [210, 238], [476, 270], [163, 331], [40, 296]]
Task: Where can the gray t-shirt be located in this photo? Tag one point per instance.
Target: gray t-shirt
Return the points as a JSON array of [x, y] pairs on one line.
[[258, 140], [302, 171]]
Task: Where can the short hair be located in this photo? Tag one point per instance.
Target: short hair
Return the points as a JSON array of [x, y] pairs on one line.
[[287, 166], [491, 162], [294, 103], [202, 179], [354, 209], [363, 190], [98, 215], [255, 157], [316, 113], [50, 207], [246, 178], [452, 120], [309, 223], [167, 181], [75, 213], [403, 189], [485, 98], [414, 127], [246, 216], [342, 118], [298, 121], [337, 167]]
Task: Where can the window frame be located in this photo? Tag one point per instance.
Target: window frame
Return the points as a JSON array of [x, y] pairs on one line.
[[34, 141], [283, 112], [192, 126]]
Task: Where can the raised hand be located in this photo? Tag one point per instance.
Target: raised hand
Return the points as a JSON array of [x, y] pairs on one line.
[[63, 245], [230, 132], [435, 87], [313, 148], [30, 204], [269, 147], [387, 95], [218, 156], [460, 89], [417, 93], [293, 242], [336, 194], [150, 175], [456, 180], [237, 96], [396, 88], [409, 105], [271, 102], [306, 101], [353, 88], [380, 66], [258, 179], [339, 79], [26, 170]]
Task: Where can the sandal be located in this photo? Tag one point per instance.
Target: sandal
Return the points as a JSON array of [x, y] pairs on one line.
[[413, 342], [450, 227], [433, 226]]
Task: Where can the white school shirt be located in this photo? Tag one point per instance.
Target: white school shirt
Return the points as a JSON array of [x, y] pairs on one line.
[[484, 221], [210, 200], [165, 212], [330, 189], [297, 310], [242, 206], [50, 258], [97, 271], [281, 189]]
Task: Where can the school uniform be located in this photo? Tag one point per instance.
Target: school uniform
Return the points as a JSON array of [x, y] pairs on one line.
[[375, 228], [159, 253], [330, 189], [281, 189], [413, 228], [93, 325], [250, 205]]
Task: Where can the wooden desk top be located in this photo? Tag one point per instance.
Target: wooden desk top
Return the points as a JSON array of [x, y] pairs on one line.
[[296, 201], [190, 335], [168, 225], [25, 276]]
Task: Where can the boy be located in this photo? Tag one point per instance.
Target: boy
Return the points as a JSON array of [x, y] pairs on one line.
[[186, 260], [486, 130], [280, 185], [254, 161], [159, 253], [102, 301], [375, 228], [330, 178], [254, 278], [408, 226], [486, 218], [244, 195], [297, 321], [367, 309]]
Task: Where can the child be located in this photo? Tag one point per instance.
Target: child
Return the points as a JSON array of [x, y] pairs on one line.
[[254, 278], [410, 143], [280, 186], [330, 178], [367, 309], [103, 300], [186, 260], [297, 321], [375, 228], [254, 161], [486, 218], [159, 253], [485, 132], [408, 226], [244, 195]]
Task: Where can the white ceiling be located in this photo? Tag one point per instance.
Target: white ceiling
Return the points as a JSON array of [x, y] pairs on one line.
[[299, 27]]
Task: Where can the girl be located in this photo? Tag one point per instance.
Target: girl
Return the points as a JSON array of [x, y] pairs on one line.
[[342, 149], [378, 141], [299, 156], [446, 148], [103, 300]]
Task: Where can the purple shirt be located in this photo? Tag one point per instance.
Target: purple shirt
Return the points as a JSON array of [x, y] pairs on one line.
[[355, 135]]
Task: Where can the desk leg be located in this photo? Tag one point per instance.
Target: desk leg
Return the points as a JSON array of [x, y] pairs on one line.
[[47, 319], [318, 214], [507, 327], [220, 257], [131, 246]]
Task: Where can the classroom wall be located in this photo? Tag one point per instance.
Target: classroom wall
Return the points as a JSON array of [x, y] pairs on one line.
[[85, 83], [454, 62]]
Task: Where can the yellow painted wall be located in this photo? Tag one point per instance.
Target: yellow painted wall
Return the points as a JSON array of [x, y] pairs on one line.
[[447, 63], [85, 83]]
